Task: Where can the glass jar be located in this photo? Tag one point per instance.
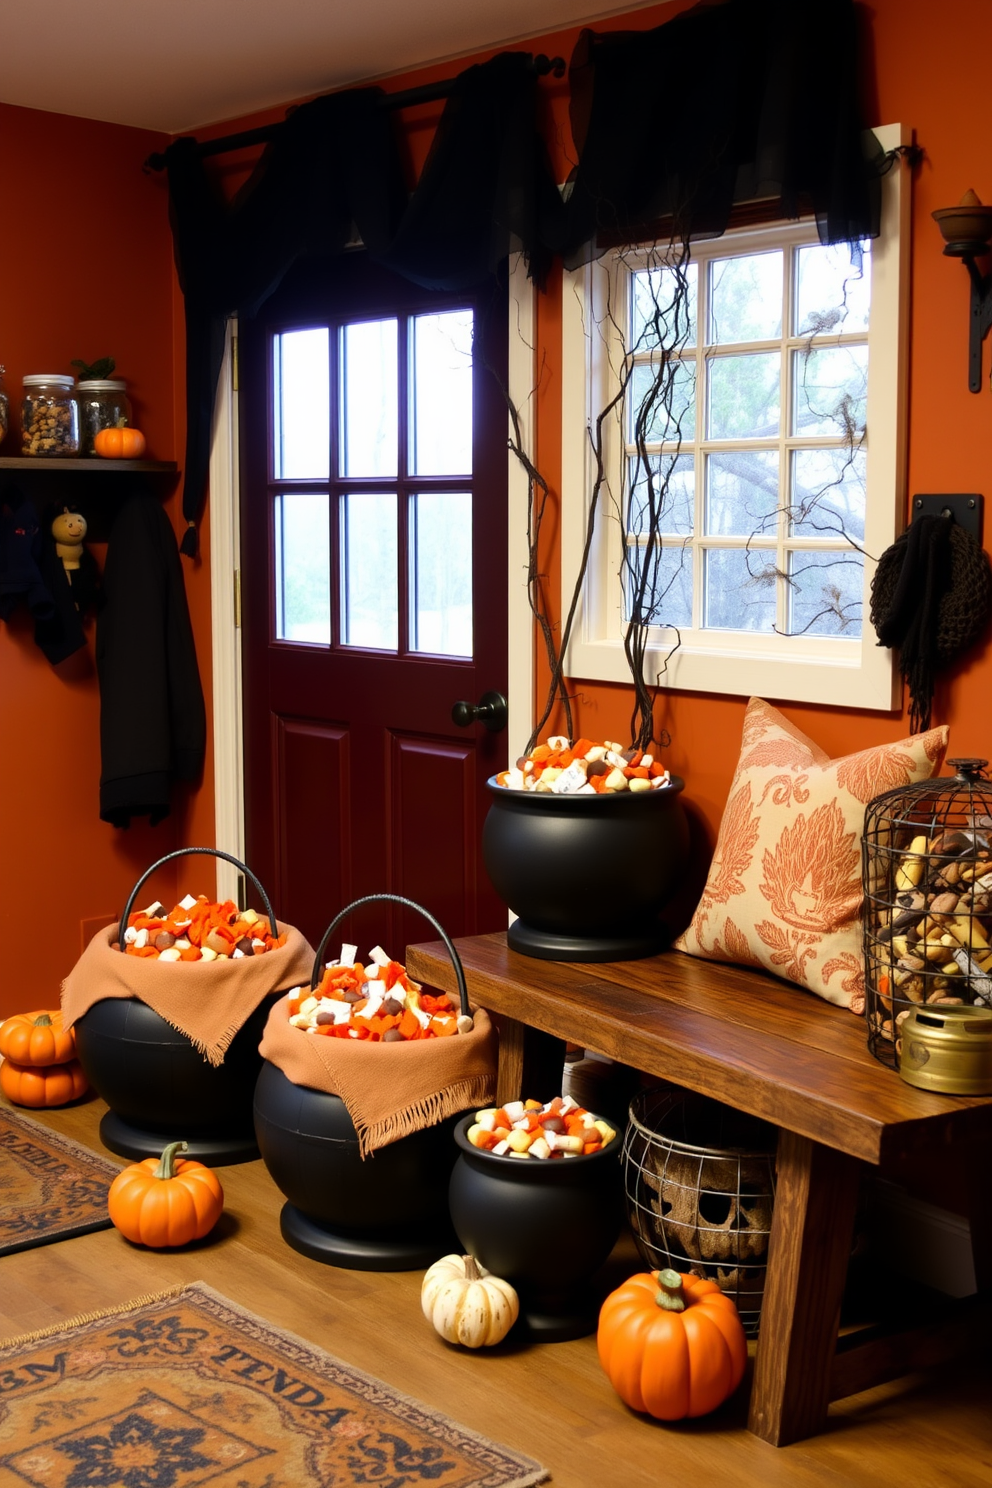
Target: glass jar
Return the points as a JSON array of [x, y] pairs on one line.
[[4, 410], [49, 416], [103, 404]]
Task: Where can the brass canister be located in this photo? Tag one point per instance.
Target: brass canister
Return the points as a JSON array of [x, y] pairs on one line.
[[948, 1049]]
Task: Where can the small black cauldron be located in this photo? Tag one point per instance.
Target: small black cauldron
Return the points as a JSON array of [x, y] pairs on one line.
[[545, 1227], [156, 1082], [386, 1212]]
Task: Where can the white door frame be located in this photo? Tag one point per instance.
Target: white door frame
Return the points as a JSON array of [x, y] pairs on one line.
[[225, 576]]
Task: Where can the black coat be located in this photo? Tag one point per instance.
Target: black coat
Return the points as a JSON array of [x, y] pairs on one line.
[[153, 725]]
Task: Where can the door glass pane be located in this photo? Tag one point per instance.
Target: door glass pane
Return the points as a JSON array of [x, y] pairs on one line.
[[301, 423], [739, 589], [663, 308], [302, 556], [662, 402], [829, 493], [746, 298], [672, 497], [657, 582], [369, 403], [441, 394], [831, 392], [745, 397], [832, 292], [369, 596], [825, 594], [441, 573], [742, 493]]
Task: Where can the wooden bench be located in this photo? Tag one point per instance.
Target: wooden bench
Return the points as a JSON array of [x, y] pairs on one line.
[[779, 1053]]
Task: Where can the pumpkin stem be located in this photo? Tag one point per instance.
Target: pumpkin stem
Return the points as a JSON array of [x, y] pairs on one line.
[[472, 1272], [167, 1162], [671, 1297], [43, 1021]]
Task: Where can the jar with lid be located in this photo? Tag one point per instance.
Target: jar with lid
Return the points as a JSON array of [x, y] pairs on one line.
[[4, 410], [49, 415], [103, 404]]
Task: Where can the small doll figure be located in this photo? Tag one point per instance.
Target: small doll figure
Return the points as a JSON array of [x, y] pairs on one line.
[[68, 529]]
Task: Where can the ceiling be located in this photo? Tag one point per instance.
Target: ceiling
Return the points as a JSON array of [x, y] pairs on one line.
[[175, 65]]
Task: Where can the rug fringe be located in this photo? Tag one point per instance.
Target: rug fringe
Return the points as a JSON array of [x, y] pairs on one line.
[[23, 1340]]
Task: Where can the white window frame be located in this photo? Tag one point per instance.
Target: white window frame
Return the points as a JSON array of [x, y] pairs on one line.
[[826, 670]]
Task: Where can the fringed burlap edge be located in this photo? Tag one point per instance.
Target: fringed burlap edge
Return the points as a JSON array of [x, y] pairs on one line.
[[465, 1094]]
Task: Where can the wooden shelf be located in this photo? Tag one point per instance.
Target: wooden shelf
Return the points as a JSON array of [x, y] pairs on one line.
[[28, 463]]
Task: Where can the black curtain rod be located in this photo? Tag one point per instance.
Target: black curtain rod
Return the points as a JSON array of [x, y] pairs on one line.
[[428, 93]]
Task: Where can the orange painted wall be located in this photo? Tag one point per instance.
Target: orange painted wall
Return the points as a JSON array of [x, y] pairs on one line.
[[85, 268], [85, 271]]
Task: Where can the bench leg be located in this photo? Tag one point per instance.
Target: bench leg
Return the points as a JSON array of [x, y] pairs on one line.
[[531, 1063], [816, 1193]]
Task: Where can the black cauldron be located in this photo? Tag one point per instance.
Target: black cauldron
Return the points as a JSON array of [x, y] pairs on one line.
[[587, 875], [386, 1212], [545, 1227], [158, 1086]]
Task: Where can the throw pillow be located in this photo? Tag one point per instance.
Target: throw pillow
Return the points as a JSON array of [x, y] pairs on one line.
[[784, 888]]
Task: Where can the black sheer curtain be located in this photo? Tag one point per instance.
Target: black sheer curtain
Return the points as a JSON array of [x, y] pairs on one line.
[[725, 103]]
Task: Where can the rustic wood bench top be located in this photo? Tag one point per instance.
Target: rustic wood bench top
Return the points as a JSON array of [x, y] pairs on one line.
[[776, 1052]]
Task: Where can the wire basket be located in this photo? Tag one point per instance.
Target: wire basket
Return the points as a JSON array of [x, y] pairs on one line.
[[927, 869], [699, 1180]]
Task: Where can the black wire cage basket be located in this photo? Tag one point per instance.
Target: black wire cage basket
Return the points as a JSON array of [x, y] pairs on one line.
[[699, 1180], [927, 870]]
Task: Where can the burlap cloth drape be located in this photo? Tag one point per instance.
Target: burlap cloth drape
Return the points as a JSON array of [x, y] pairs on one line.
[[389, 1090], [208, 1001]]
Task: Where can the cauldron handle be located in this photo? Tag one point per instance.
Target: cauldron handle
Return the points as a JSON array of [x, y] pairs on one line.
[[182, 852], [318, 964]]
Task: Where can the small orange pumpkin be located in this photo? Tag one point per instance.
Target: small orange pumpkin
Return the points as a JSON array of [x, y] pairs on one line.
[[42, 1085], [166, 1200], [121, 443], [671, 1345], [37, 1038]]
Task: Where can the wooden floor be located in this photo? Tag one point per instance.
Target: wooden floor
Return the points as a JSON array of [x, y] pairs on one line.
[[551, 1402]]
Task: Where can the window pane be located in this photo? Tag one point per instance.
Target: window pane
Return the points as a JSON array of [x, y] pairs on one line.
[[369, 600], [825, 593], [441, 396], [739, 589], [663, 308], [664, 400], [441, 573], [301, 419], [302, 560], [666, 574], [832, 293], [742, 496], [745, 399], [829, 493], [674, 503], [368, 398], [830, 392], [746, 298]]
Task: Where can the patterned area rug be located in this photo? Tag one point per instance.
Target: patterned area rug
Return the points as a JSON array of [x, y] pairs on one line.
[[50, 1186], [185, 1389]]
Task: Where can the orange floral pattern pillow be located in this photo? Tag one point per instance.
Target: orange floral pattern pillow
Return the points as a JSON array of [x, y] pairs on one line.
[[784, 887]]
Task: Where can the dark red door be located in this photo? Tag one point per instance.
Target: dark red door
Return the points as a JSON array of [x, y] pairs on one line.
[[373, 450]]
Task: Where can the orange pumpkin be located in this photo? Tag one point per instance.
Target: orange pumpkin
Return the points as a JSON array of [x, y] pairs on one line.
[[37, 1038], [671, 1345], [120, 443], [166, 1200], [42, 1085]]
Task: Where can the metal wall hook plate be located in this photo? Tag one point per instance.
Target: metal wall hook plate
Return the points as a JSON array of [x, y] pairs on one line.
[[967, 510]]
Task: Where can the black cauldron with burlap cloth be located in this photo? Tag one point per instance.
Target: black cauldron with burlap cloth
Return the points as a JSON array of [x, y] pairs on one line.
[[359, 1135], [172, 1047]]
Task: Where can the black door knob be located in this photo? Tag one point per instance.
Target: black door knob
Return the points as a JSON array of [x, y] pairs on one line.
[[490, 710]]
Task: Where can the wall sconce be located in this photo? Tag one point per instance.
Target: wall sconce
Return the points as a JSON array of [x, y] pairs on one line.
[[966, 230]]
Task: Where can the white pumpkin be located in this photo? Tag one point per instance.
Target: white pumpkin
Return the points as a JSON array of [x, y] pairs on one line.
[[465, 1304]]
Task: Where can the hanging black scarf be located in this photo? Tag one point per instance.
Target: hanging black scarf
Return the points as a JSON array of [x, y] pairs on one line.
[[930, 597]]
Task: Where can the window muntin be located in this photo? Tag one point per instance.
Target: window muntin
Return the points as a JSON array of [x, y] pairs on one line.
[[810, 665]]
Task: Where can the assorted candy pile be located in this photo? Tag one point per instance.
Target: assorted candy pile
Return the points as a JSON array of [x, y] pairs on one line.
[[377, 1002], [527, 1129], [199, 930], [584, 768]]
